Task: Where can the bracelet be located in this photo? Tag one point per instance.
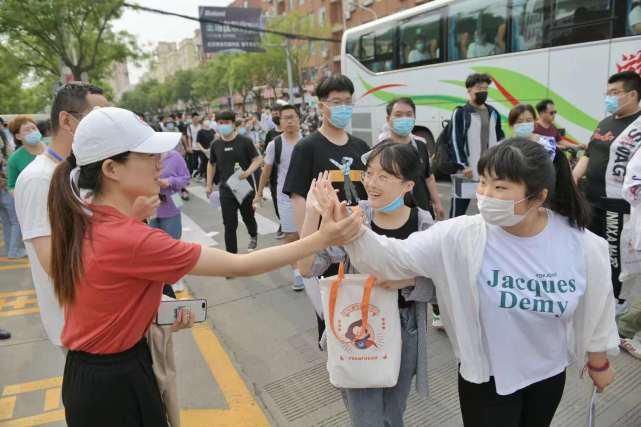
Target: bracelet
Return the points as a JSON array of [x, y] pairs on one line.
[[605, 367]]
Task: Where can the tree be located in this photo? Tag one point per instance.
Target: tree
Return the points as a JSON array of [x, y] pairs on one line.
[[301, 50], [42, 36], [14, 98]]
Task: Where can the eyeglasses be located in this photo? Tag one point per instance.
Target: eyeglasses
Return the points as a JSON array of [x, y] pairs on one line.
[[338, 102], [382, 179], [156, 158], [552, 112]]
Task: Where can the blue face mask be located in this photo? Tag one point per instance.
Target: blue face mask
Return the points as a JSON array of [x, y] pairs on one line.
[[394, 205], [242, 131], [611, 104], [524, 129], [33, 138], [341, 115], [403, 125], [225, 129]]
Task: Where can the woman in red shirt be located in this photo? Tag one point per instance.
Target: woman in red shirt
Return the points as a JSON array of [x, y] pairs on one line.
[[108, 268]]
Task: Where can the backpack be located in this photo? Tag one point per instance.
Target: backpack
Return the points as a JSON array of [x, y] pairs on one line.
[[278, 149], [443, 163]]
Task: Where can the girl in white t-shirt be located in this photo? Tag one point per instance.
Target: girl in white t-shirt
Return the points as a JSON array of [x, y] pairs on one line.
[[524, 288]]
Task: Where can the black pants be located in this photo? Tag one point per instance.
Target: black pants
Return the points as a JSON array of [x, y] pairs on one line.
[[112, 390], [461, 207], [201, 161], [192, 162], [274, 191], [532, 406], [230, 207], [609, 224]]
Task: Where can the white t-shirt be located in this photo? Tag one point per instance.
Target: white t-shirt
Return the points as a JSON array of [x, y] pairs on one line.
[[193, 131], [529, 289], [31, 192], [285, 159]]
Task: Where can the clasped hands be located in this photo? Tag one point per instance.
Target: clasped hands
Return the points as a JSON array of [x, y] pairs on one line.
[[337, 217]]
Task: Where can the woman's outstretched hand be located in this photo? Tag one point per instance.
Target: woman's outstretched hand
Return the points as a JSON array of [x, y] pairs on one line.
[[339, 232], [324, 196]]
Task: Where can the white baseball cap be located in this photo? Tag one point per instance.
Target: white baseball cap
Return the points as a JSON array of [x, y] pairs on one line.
[[108, 131]]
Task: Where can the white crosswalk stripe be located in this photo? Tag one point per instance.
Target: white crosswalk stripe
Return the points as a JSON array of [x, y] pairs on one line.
[[265, 225]]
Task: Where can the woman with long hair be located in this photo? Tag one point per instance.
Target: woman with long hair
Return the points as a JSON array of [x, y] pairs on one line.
[[108, 268]]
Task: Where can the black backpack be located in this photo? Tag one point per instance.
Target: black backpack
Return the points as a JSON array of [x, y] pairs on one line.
[[443, 163], [278, 149]]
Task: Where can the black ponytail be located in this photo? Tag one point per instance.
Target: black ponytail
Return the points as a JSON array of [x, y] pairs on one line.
[[566, 199], [528, 162]]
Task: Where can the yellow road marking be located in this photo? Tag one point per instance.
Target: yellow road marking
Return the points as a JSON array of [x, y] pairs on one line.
[[5, 259], [6, 407], [14, 267], [52, 399], [21, 302], [242, 410], [21, 312], [36, 420], [17, 293], [32, 386]]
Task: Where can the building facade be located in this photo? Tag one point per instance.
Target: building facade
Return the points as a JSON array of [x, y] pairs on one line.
[[119, 79], [169, 57], [338, 15]]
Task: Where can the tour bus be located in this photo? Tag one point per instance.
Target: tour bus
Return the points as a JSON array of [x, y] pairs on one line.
[[533, 49]]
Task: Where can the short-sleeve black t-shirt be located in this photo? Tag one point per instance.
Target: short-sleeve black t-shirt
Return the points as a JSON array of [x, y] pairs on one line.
[[205, 137], [225, 154], [271, 134], [314, 154], [421, 192], [599, 153]]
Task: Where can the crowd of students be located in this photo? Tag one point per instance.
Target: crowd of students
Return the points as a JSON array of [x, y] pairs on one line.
[[543, 295]]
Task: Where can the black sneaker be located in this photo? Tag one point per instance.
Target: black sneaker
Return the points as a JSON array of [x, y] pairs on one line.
[[4, 334], [253, 243], [184, 194]]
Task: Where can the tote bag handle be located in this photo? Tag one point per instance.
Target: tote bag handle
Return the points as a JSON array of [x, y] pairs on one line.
[[333, 296]]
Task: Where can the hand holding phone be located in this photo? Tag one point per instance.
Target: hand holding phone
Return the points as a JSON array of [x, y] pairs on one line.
[[181, 313]]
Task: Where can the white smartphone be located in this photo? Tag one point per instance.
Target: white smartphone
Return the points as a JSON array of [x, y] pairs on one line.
[[168, 310]]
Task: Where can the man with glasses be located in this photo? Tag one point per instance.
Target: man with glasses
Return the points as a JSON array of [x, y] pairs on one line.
[[278, 155], [72, 102], [544, 125], [604, 158], [331, 149]]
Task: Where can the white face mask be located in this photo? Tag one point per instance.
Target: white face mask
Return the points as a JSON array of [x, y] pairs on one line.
[[499, 212]]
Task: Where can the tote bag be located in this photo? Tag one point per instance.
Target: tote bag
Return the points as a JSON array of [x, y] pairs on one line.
[[363, 331]]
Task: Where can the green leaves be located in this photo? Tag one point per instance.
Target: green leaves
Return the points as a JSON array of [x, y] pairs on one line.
[[238, 73]]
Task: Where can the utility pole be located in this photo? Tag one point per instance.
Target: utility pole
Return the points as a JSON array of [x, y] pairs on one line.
[[290, 80]]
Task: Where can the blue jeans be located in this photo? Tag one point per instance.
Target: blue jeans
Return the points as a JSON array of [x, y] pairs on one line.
[[384, 407], [172, 225], [10, 226]]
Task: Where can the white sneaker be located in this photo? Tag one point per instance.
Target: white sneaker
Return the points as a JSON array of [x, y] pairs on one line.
[[179, 286], [437, 323], [621, 308], [299, 284], [631, 346]]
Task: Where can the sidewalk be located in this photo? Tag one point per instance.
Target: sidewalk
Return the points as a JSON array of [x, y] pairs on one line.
[[255, 361]]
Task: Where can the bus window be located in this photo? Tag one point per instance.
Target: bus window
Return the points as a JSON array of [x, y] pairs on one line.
[[579, 21], [527, 24], [421, 40], [352, 46], [377, 50], [477, 28], [634, 18]]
